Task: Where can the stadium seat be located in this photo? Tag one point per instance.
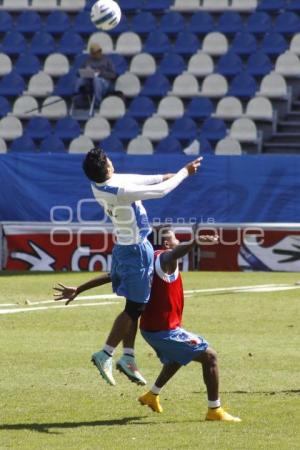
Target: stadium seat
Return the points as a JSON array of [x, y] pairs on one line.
[[10, 128], [6, 22], [244, 5], [126, 127], [82, 23], [112, 144], [97, 128], [157, 43], [14, 5], [155, 128], [40, 85], [293, 5], [42, 44], [72, 5], [288, 64], [215, 43], [5, 64], [157, 6], [119, 62], [259, 64], [259, 23], [66, 85], [82, 144], [38, 128], [184, 128], [168, 145], [186, 5], [287, 23], [199, 108], [140, 146], [171, 64], [5, 107], [13, 43], [273, 44], [143, 23], [23, 144], [214, 85], [259, 108], [172, 23], [243, 85], [25, 107], [67, 128], [229, 108], [185, 85], [58, 22], [170, 108], [71, 43], [12, 84], [273, 85], [229, 64], [243, 130], [193, 148], [54, 107], [215, 5], [130, 5], [52, 144], [143, 65], [213, 129], [104, 40], [228, 146], [244, 43], [29, 22], [271, 5], [141, 107], [122, 27], [204, 146], [112, 107], [186, 43], [129, 84], [201, 22], [128, 44], [156, 85], [27, 64], [3, 146], [43, 5], [230, 22], [295, 44], [56, 65]]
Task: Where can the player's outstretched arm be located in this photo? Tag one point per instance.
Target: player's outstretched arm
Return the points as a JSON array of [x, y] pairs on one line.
[[148, 179], [69, 293]]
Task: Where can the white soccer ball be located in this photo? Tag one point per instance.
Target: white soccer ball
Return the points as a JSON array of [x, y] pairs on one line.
[[106, 14]]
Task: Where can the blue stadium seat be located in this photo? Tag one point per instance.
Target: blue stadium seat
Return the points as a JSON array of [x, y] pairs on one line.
[[141, 107], [186, 43], [23, 144], [229, 64], [13, 43], [271, 5], [143, 22], [66, 85], [58, 22], [112, 144], [201, 22], [12, 84], [157, 43], [67, 128], [243, 86], [199, 108], [122, 26], [38, 128], [42, 44], [184, 128], [293, 5], [119, 62], [230, 22], [171, 64], [172, 22], [90, 3], [158, 5], [259, 64], [273, 44], [130, 5], [156, 85], [168, 145], [213, 129], [205, 146], [52, 144], [126, 127], [6, 22], [244, 43], [79, 60], [71, 43], [27, 64], [259, 22], [83, 24], [287, 23], [5, 107], [29, 22]]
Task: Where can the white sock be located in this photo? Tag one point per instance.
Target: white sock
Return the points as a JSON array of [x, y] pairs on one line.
[[109, 349], [128, 351], [214, 403], [155, 390]]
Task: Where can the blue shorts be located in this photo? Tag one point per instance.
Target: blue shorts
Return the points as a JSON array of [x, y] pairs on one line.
[[177, 345], [132, 271]]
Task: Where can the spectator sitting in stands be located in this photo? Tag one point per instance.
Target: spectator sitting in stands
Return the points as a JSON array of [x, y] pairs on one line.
[[97, 73]]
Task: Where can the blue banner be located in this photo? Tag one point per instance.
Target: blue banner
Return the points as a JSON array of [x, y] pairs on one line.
[[226, 189]]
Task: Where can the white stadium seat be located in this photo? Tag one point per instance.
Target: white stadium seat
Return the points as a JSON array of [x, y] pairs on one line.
[[185, 85], [128, 43], [140, 146], [129, 84], [103, 39], [5, 64], [14, 5], [295, 44], [10, 128], [288, 65], [244, 130], [56, 65], [25, 106], [81, 144], [72, 5], [214, 85], [112, 107], [170, 108], [97, 128], [3, 146], [40, 85], [243, 5], [229, 108], [44, 5], [228, 146], [215, 5], [273, 85], [143, 64], [215, 44], [54, 107], [186, 5], [260, 108], [200, 64], [155, 128]]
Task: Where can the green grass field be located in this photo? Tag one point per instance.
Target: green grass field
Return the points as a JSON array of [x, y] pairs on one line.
[[53, 398]]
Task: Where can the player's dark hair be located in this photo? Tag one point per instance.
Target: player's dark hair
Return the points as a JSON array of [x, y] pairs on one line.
[[95, 165]]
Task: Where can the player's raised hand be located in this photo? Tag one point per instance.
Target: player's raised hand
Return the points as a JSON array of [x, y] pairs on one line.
[[64, 293], [193, 166], [208, 239]]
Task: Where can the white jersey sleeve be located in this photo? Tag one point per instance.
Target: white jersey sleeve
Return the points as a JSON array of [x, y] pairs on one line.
[[144, 179]]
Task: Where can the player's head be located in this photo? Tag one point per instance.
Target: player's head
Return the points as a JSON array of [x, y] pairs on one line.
[[167, 238], [97, 166]]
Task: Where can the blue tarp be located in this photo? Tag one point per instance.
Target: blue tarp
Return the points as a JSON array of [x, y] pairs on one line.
[[226, 189]]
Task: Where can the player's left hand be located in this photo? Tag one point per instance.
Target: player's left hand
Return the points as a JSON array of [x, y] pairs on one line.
[[65, 292], [208, 239]]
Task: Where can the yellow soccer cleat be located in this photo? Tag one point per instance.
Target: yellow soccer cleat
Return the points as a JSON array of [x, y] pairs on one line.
[[220, 414], [152, 401]]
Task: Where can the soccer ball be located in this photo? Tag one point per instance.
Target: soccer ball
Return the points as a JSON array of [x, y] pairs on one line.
[[106, 14]]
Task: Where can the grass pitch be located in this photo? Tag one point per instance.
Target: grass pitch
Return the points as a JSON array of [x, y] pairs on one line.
[[53, 398]]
